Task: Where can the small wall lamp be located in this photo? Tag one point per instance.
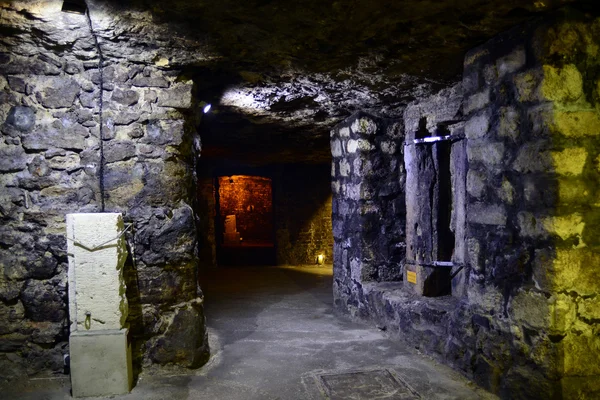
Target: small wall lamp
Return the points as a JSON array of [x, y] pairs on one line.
[[205, 107], [320, 259], [74, 6]]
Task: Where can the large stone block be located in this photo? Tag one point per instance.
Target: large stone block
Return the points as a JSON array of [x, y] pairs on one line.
[[60, 94], [562, 85], [97, 254], [488, 153], [568, 270], [184, 341], [577, 123], [179, 96], [569, 161], [485, 214], [100, 363], [477, 127]]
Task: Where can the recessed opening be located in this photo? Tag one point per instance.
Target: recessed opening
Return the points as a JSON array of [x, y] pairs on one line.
[[245, 220]]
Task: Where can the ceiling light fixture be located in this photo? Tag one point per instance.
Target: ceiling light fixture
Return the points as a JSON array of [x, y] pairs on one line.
[[74, 6]]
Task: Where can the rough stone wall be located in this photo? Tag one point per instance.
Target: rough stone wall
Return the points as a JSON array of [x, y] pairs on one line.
[[303, 214], [49, 166], [250, 199], [526, 325], [532, 108], [369, 210]]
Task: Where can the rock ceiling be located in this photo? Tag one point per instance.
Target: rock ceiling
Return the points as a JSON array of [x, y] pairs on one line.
[[280, 73]]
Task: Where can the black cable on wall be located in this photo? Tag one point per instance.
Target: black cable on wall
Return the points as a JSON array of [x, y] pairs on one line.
[[100, 108]]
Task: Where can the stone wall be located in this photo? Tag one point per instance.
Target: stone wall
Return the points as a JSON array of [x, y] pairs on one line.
[[526, 323], [50, 166], [532, 109], [369, 209], [303, 214]]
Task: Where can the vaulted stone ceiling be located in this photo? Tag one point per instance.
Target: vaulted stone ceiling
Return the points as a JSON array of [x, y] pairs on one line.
[[281, 73]]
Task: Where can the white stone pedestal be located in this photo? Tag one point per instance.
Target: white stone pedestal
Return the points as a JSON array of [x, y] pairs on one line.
[[100, 363], [100, 354]]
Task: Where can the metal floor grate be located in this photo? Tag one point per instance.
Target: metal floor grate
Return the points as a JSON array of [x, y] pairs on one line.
[[365, 385]]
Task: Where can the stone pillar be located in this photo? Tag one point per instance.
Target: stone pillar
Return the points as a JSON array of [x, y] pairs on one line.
[[434, 183], [99, 349], [368, 205]]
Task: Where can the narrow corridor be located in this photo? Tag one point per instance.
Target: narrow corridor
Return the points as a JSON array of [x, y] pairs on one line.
[[274, 335]]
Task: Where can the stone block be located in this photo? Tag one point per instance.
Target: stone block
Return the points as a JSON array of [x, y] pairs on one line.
[[61, 93], [476, 183], [179, 96], [511, 63], [474, 251], [363, 126], [573, 191], [589, 308], [577, 123], [100, 363], [388, 147], [97, 255], [365, 145], [485, 214], [20, 119], [352, 146], [509, 123], [565, 226], [56, 136], [506, 191], [530, 226], [477, 127], [66, 162], [150, 81], [336, 148], [562, 85], [569, 161], [477, 101], [531, 309], [581, 354], [125, 97], [43, 301], [12, 159], [568, 270], [527, 85], [488, 153], [185, 340], [533, 157], [563, 313]]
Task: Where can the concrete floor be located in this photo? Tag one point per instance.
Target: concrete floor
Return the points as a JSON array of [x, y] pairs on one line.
[[273, 335]]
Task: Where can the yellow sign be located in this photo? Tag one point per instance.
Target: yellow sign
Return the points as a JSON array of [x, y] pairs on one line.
[[411, 276]]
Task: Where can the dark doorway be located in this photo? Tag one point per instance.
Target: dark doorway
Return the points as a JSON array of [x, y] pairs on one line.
[[244, 220]]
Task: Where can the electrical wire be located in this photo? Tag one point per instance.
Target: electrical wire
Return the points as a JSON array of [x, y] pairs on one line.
[[100, 108]]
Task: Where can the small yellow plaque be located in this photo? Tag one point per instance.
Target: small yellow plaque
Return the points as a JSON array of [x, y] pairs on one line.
[[411, 276]]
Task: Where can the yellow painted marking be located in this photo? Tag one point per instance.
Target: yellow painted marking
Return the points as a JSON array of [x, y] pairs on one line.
[[411, 276]]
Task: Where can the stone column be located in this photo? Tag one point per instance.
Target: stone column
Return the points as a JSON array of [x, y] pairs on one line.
[[368, 205]]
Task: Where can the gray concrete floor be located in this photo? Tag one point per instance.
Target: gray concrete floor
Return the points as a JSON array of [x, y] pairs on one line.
[[273, 335]]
